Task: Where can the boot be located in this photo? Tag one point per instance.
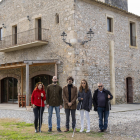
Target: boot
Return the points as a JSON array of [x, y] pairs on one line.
[[66, 130]]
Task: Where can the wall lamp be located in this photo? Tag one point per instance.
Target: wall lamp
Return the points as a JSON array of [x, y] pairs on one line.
[[28, 18], [64, 35], [89, 33], [3, 25]]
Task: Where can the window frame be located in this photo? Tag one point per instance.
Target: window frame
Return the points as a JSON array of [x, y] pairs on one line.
[[130, 39], [112, 24], [57, 19]]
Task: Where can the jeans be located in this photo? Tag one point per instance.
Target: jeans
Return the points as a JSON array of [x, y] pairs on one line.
[[103, 114], [67, 112], [87, 119], [50, 111], [37, 115]]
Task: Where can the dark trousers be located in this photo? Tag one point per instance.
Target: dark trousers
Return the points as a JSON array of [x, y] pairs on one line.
[[103, 114], [67, 112], [37, 115]]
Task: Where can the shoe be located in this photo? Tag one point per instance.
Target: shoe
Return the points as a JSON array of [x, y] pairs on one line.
[[81, 130], [35, 130], [50, 130], [66, 130], [104, 130], [87, 131], [59, 130], [101, 131]]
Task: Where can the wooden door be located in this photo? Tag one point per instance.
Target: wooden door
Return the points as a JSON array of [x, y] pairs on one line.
[[129, 90]]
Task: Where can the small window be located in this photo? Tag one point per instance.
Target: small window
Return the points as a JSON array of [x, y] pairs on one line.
[[132, 34], [109, 24], [57, 18], [14, 36], [0, 34]]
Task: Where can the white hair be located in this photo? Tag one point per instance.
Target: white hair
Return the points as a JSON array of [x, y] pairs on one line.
[[54, 77], [100, 83]]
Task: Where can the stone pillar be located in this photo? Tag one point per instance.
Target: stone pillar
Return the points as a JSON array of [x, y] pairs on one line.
[[27, 84], [112, 70]]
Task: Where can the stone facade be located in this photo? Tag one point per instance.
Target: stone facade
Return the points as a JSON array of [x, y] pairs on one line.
[[95, 54], [90, 61], [122, 4]]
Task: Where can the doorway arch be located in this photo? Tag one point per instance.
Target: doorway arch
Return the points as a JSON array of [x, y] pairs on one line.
[[9, 90], [44, 78], [129, 90]]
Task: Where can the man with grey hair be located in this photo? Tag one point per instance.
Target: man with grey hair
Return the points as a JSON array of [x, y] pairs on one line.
[[101, 102], [54, 100]]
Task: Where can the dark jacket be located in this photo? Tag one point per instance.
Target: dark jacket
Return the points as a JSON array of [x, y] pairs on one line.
[[86, 103], [107, 104], [73, 97], [54, 95]]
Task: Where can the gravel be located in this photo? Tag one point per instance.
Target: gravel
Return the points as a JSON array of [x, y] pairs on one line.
[[121, 124]]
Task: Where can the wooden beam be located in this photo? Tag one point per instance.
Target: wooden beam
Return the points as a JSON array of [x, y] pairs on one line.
[[41, 64], [41, 61], [13, 66]]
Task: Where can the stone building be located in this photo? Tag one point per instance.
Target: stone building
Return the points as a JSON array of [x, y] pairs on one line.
[[32, 49]]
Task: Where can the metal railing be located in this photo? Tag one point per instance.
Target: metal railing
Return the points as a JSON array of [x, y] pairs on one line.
[[25, 37]]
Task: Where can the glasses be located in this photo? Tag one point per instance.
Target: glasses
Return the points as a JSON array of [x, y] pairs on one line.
[[84, 83], [100, 86]]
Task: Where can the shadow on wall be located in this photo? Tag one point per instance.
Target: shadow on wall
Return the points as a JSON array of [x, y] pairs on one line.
[[122, 4]]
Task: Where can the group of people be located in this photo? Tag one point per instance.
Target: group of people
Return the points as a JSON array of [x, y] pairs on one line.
[[55, 99]]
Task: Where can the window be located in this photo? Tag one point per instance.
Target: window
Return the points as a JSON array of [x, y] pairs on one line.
[[14, 37], [0, 34], [132, 34], [38, 29], [57, 18], [109, 24]]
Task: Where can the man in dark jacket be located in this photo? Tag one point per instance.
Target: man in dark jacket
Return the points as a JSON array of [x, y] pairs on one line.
[[69, 97], [54, 100], [101, 102]]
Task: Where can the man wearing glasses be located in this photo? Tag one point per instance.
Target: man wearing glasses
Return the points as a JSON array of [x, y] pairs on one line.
[[101, 102]]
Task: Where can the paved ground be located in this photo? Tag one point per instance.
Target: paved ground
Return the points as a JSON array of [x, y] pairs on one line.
[[114, 108], [124, 120]]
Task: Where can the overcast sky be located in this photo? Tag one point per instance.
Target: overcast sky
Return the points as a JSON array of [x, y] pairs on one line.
[[134, 6]]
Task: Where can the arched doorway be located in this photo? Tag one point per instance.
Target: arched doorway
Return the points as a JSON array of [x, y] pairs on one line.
[[9, 91], [45, 79], [129, 89]]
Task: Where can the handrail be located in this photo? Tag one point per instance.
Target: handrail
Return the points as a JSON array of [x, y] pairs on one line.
[[24, 37]]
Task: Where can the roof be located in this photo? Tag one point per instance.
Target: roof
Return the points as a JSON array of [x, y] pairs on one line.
[[114, 7]]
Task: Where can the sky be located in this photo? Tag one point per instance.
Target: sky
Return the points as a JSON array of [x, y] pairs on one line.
[[134, 6]]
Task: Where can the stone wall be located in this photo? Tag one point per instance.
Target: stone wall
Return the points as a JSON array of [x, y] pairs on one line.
[[90, 61], [15, 13], [122, 4], [95, 54]]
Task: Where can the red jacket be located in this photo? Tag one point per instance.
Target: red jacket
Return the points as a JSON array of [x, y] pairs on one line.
[[36, 97]]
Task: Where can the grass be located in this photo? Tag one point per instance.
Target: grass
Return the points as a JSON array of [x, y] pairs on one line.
[[12, 129]]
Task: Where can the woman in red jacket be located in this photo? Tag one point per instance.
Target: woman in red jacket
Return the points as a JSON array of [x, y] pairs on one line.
[[38, 95]]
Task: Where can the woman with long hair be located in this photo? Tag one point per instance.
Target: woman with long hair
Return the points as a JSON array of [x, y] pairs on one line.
[[37, 99], [85, 104]]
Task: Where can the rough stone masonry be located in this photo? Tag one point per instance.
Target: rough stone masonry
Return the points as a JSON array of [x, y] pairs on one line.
[[90, 61]]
